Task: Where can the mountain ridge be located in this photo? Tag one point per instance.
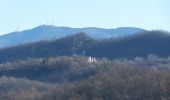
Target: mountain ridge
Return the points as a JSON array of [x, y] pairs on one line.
[[47, 32]]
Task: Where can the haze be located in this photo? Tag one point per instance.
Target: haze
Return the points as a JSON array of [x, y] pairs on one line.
[[25, 14]]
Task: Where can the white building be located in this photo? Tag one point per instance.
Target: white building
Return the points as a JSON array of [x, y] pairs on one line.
[[92, 59]]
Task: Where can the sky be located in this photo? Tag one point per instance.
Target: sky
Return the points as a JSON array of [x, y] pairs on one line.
[[26, 14]]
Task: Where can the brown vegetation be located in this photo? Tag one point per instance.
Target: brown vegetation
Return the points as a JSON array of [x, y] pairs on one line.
[[118, 79]]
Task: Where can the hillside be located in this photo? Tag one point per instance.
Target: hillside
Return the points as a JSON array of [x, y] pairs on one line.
[[73, 78], [153, 42], [138, 45], [46, 32], [52, 69]]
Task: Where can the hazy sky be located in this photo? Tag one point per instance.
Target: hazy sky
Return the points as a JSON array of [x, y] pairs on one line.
[[26, 14]]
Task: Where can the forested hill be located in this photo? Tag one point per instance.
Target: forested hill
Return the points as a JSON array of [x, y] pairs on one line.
[[141, 45], [151, 42]]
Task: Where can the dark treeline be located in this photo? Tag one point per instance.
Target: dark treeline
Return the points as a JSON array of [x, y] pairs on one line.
[[143, 44], [73, 78]]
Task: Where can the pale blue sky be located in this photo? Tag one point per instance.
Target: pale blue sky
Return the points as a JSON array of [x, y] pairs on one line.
[[26, 14]]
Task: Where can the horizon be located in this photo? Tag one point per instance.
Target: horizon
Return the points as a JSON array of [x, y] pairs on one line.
[[78, 27], [68, 27], [21, 15]]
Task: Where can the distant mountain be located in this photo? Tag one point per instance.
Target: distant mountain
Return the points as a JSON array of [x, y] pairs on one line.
[[47, 32], [138, 45]]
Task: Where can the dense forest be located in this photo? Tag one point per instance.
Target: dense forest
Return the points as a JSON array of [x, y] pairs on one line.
[[135, 67]]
